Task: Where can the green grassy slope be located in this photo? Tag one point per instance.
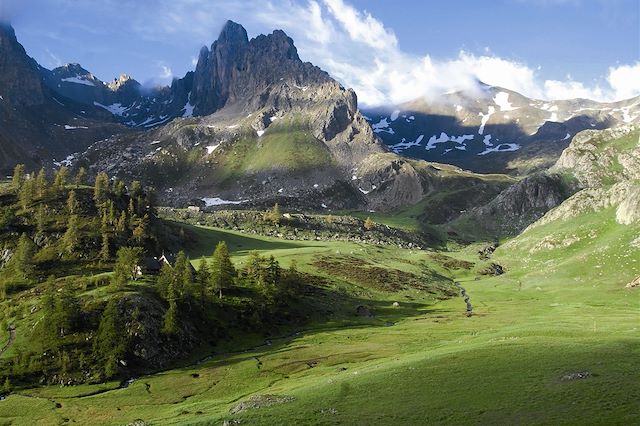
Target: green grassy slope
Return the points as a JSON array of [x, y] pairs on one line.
[[557, 311]]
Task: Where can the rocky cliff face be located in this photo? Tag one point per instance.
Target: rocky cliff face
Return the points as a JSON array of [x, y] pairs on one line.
[[35, 124], [520, 204], [606, 164]]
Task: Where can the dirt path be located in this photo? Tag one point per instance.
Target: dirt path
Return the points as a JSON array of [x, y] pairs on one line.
[[12, 338], [465, 296]]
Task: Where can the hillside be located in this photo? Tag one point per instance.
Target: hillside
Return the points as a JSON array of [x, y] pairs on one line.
[[492, 129]]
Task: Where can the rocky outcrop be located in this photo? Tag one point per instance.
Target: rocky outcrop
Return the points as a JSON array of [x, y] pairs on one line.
[[595, 161], [521, 204]]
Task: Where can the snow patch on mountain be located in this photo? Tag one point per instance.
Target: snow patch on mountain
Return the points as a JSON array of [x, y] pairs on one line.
[[502, 100], [394, 115], [382, 126], [503, 147], [115, 109], [216, 201], [434, 140], [77, 80], [402, 145], [485, 119], [188, 109]]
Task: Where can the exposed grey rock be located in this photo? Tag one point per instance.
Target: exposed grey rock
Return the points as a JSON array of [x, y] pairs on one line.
[[260, 401]]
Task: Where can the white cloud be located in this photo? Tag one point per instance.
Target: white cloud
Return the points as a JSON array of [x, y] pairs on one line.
[[625, 80], [357, 49]]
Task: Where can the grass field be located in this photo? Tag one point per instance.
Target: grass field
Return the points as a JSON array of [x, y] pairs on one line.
[[561, 308]]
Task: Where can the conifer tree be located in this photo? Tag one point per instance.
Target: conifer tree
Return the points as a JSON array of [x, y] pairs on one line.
[[27, 193], [121, 225], [72, 203], [110, 345], [222, 269], [166, 277], [61, 177], [140, 231], [81, 177], [119, 188], [71, 238], [125, 269], [42, 184], [22, 260], [105, 251], [66, 311], [183, 276], [170, 318], [202, 278], [101, 189], [18, 177], [41, 219]]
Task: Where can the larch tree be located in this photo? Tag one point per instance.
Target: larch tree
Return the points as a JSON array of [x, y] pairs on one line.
[[222, 270]]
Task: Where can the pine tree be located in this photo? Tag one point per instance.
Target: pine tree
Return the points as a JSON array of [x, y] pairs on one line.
[[66, 311], [105, 251], [60, 179], [253, 269], [22, 260], [81, 177], [202, 278], [170, 318], [41, 219], [222, 269], [126, 267], [166, 277], [119, 189], [140, 231], [121, 224], [42, 184], [101, 189], [27, 193], [18, 177], [110, 345], [71, 238], [72, 203], [183, 275], [273, 271]]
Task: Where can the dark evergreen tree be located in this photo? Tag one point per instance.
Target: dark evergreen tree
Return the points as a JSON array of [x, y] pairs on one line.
[[81, 177], [18, 177], [110, 344], [222, 269], [126, 267], [71, 238]]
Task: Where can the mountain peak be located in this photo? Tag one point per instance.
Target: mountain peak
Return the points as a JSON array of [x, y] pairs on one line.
[[7, 29], [234, 34]]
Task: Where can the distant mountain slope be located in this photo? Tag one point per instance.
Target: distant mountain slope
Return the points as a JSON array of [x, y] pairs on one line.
[[494, 129], [37, 125], [275, 129], [598, 172]]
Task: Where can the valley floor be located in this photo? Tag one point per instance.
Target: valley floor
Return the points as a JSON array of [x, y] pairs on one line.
[[552, 341]]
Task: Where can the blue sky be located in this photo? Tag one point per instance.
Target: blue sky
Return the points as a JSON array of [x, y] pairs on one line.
[[388, 51]]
